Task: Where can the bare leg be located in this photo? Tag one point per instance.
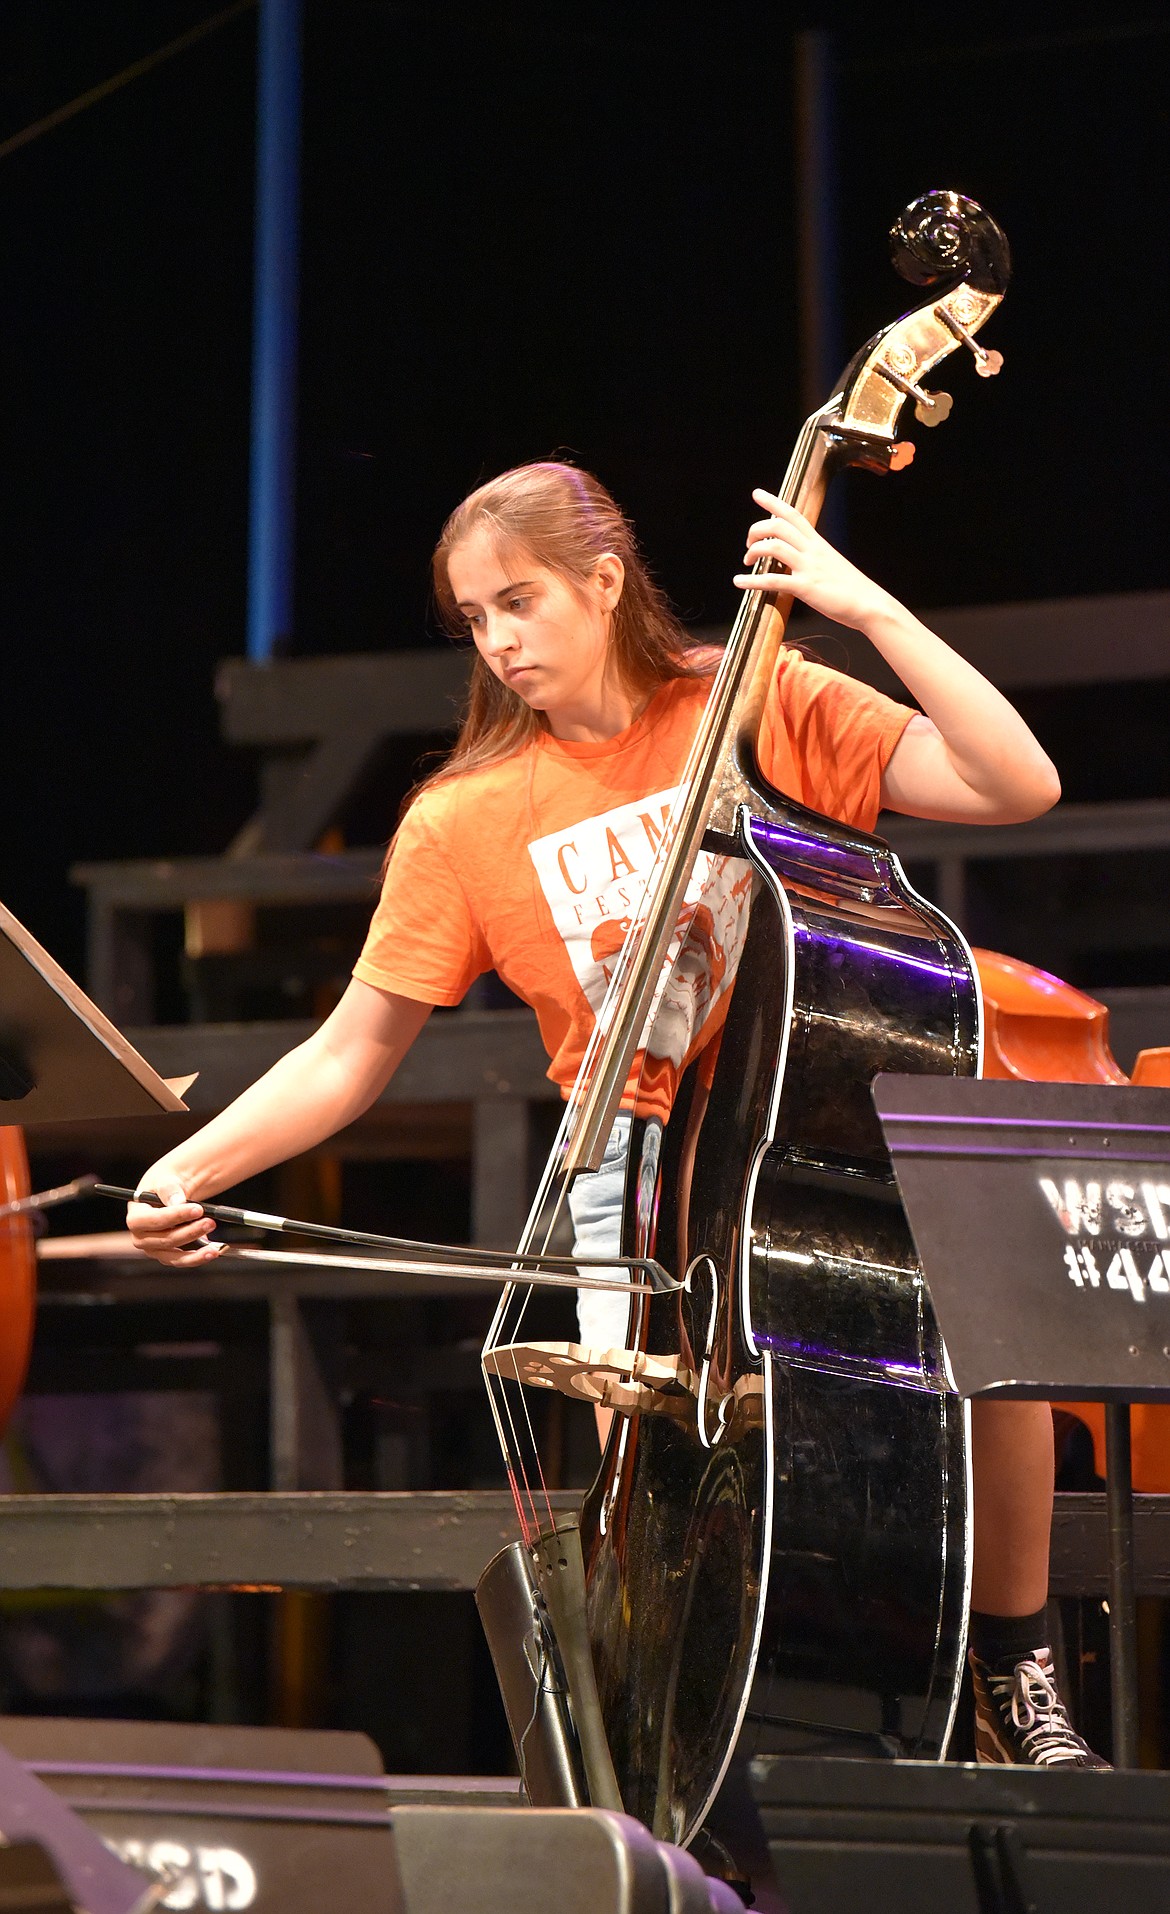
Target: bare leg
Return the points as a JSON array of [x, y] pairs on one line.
[[1012, 1465]]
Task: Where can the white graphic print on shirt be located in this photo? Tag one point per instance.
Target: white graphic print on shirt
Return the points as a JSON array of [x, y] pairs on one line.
[[593, 874]]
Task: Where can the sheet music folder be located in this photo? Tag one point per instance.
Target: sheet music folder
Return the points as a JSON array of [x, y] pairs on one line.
[[61, 1059], [1041, 1214]]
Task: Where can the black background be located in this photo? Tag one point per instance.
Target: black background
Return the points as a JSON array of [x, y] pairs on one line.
[[530, 229]]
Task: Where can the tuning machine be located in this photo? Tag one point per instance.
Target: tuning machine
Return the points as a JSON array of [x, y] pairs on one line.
[[930, 408], [871, 452], [987, 364]]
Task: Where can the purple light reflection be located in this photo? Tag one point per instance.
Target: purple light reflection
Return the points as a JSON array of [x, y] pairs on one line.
[[820, 1356], [787, 841], [963, 1151], [885, 952], [1028, 1123]]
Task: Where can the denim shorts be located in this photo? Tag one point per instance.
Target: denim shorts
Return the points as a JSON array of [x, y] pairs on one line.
[[595, 1204]]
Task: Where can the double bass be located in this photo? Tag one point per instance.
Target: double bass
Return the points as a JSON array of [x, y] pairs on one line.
[[774, 1555], [1040, 1029]]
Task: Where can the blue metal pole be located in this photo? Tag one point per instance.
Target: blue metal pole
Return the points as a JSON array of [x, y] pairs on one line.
[[274, 330]]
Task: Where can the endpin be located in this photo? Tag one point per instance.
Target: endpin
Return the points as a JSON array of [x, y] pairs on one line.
[[987, 364]]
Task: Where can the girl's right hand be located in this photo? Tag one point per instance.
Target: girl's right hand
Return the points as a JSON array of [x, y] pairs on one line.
[[176, 1233]]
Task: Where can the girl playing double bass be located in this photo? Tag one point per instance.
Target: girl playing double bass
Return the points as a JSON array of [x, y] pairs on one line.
[[526, 853]]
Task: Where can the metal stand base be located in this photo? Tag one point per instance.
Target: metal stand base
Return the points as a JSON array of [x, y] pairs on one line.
[[1122, 1594]]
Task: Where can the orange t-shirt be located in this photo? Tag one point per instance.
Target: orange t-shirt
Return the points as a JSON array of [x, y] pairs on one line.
[[533, 867]]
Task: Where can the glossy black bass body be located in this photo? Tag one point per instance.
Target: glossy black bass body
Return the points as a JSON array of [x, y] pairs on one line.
[[776, 1550]]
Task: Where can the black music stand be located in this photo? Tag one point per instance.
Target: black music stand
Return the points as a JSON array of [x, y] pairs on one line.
[[1041, 1214], [61, 1060]]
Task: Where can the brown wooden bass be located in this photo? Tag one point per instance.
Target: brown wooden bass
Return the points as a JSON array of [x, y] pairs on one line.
[[18, 1271]]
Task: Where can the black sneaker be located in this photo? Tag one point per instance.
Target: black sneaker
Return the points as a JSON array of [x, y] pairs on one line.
[[1020, 1719]]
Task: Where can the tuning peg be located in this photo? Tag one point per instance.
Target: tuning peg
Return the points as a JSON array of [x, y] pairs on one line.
[[987, 364], [930, 408]]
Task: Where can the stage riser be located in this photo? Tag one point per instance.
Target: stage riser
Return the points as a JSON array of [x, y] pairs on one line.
[[284, 1821], [852, 1837]]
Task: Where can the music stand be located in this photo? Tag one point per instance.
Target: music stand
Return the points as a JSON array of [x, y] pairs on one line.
[[61, 1059], [1041, 1216]]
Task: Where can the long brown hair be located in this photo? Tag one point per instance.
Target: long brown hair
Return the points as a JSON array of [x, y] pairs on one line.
[[566, 520]]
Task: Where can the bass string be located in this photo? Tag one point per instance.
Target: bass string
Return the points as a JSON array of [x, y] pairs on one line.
[[526, 1497], [520, 1446], [498, 1406], [518, 1483], [609, 1029], [520, 1300], [553, 1185]]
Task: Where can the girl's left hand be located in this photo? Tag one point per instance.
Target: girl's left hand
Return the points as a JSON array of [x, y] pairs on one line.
[[814, 571]]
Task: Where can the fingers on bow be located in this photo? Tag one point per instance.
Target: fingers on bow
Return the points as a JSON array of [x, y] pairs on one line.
[[173, 1234]]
